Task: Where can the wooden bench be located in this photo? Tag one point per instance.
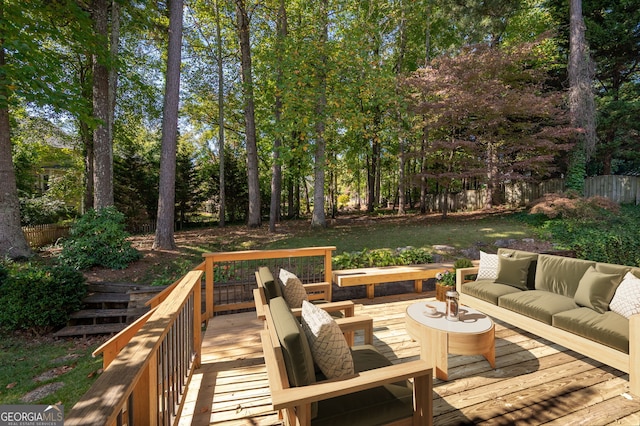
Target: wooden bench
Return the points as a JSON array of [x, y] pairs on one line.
[[372, 276]]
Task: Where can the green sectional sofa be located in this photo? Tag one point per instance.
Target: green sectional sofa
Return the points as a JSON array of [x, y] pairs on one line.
[[561, 299]]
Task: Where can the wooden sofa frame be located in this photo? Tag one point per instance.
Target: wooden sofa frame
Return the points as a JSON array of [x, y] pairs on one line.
[[294, 403], [628, 363]]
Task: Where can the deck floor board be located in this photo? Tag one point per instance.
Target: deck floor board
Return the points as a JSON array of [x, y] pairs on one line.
[[534, 382]]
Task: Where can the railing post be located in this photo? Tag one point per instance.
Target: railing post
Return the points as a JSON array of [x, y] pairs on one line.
[[145, 395], [328, 276], [209, 287], [197, 325]]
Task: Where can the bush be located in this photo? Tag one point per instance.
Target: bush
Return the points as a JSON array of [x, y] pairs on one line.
[[570, 205], [381, 257], [43, 210], [611, 239], [98, 238], [39, 298]]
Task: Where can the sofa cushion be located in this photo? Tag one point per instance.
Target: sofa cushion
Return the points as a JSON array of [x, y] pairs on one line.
[[329, 348], [560, 275], [518, 254], [271, 287], [626, 300], [295, 347], [380, 405], [596, 289], [292, 289], [537, 304], [513, 271], [488, 266], [609, 328], [487, 290]]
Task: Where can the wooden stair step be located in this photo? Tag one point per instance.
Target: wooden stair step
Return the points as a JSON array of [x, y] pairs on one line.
[[85, 330], [107, 298], [103, 313], [116, 287]]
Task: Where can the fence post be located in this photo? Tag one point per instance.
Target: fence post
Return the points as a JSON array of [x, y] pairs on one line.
[[209, 286]]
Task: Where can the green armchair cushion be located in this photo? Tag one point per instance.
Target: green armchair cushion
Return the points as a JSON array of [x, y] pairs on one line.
[[271, 287], [379, 405]]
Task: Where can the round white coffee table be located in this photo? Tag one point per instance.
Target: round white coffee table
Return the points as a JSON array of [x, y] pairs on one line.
[[473, 334]]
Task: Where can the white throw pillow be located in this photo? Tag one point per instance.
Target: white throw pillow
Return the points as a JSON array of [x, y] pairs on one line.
[[626, 300], [488, 268], [329, 348], [293, 291]]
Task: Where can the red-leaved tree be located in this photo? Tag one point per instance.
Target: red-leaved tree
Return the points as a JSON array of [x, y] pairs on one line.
[[490, 116]]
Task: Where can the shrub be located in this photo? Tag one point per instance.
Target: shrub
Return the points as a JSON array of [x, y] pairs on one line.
[[43, 210], [98, 238], [569, 205], [39, 298], [381, 257]]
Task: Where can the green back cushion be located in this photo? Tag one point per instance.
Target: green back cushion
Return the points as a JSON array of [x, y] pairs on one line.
[[295, 347], [513, 271], [271, 287], [596, 289], [560, 275]]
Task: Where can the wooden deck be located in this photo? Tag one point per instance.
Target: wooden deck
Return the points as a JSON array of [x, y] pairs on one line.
[[534, 382]]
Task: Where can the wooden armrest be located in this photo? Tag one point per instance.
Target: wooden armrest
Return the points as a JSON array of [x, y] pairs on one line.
[[346, 305], [318, 291], [461, 273], [259, 299], [353, 324], [292, 397]]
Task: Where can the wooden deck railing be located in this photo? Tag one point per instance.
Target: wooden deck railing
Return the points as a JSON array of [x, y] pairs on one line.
[[148, 366], [145, 383]]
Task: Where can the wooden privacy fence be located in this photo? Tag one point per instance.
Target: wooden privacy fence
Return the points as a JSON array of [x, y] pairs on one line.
[[41, 235], [621, 189]]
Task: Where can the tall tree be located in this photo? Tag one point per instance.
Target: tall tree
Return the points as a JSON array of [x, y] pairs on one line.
[[102, 143], [12, 240], [581, 99], [276, 167], [220, 63], [243, 27], [164, 238], [318, 219]]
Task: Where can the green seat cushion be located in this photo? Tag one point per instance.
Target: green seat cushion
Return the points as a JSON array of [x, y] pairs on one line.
[[560, 275], [295, 347], [513, 271], [379, 405], [610, 328], [488, 290], [271, 286], [540, 305], [596, 289]]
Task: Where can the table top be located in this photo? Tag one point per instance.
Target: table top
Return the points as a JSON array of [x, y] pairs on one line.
[[471, 321]]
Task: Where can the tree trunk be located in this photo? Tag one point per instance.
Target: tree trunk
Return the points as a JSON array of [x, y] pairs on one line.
[[102, 145], [581, 99], [276, 168], [223, 201], [242, 17], [318, 219], [166, 201], [13, 243], [401, 178]]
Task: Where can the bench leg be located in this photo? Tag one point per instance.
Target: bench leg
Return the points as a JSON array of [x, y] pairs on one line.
[[417, 285], [371, 291]]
